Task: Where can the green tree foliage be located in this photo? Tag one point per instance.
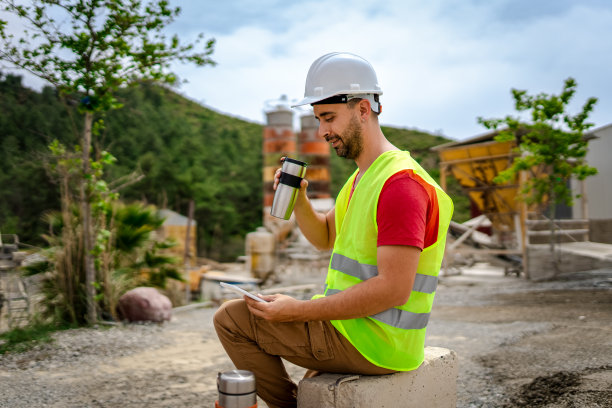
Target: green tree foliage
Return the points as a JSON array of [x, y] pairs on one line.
[[94, 47], [188, 152], [551, 144], [88, 53], [64, 286], [28, 123], [131, 257], [173, 142], [183, 150]]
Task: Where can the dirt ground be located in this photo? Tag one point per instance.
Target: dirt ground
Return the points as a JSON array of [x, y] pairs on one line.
[[520, 344], [525, 344]]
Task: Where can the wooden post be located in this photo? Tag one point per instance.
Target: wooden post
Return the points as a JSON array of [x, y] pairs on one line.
[[584, 200], [187, 256], [585, 208], [523, 225], [443, 169], [86, 224], [447, 252]]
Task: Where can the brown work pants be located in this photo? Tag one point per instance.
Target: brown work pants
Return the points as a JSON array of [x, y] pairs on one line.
[[258, 345]]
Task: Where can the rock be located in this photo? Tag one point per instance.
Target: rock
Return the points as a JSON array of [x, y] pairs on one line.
[[144, 304]]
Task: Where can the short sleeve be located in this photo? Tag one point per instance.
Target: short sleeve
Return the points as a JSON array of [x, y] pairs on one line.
[[402, 212]]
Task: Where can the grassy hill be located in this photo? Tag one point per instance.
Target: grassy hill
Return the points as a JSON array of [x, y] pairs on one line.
[[184, 150]]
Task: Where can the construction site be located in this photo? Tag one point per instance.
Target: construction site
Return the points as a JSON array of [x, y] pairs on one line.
[[512, 325]]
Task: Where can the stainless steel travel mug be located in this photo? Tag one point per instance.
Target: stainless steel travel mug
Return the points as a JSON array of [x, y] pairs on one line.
[[292, 173], [236, 389]]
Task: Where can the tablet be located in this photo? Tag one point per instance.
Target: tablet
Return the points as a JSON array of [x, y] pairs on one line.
[[241, 291]]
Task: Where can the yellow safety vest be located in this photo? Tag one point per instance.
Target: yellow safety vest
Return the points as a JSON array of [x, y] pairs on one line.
[[394, 338]]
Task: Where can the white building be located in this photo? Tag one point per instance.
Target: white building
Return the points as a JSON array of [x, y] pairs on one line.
[[598, 188]]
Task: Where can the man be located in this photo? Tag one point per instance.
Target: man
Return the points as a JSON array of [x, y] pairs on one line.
[[387, 232]]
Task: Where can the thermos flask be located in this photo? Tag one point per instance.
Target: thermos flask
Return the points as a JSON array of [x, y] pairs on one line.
[[236, 389], [292, 173]]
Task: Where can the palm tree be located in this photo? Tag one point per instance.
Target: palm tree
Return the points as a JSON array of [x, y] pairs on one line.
[[127, 255]]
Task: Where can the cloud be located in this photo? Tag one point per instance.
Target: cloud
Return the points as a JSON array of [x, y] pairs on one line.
[[441, 63]]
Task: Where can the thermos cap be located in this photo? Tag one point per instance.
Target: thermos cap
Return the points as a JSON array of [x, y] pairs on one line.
[[300, 163], [236, 382]]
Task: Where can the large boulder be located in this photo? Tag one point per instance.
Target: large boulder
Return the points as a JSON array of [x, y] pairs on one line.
[[144, 304]]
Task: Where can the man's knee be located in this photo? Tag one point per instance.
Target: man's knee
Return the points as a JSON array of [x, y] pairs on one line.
[[231, 315]]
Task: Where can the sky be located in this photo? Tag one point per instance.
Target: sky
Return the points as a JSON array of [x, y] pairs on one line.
[[441, 63]]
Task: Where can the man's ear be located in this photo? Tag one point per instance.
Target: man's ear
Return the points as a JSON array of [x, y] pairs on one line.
[[364, 109]]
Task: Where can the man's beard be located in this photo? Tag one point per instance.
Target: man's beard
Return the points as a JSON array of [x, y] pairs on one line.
[[351, 140]]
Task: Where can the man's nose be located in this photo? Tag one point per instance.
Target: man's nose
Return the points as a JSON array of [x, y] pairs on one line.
[[323, 131]]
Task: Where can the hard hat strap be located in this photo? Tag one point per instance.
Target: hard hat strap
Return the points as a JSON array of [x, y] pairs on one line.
[[332, 100], [373, 98]]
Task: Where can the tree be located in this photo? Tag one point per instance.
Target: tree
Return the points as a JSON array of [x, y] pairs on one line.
[[132, 258], [552, 146], [149, 134], [88, 53]]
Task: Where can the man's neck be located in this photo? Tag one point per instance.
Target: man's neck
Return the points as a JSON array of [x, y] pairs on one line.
[[375, 144]]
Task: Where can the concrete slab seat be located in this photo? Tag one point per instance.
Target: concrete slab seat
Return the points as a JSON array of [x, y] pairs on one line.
[[433, 384]]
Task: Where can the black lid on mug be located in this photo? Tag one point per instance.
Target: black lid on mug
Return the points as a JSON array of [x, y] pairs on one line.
[[299, 163]]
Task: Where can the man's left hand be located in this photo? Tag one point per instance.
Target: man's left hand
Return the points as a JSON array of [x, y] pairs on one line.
[[278, 308]]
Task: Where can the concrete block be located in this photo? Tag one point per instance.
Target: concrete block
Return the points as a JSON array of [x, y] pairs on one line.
[[600, 231], [433, 384], [573, 257]]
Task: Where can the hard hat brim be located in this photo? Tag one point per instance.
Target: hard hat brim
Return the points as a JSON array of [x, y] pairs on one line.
[[307, 101], [314, 99]]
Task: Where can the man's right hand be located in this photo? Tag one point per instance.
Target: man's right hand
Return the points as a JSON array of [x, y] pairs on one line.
[[318, 228], [303, 183]]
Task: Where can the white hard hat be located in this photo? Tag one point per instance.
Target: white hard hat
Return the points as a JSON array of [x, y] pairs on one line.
[[342, 75]]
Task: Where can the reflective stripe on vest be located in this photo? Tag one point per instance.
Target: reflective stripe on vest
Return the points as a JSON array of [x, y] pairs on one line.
[[341, 263], [402, 319]]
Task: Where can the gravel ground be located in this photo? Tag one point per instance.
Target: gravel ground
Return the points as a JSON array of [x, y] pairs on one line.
[[519, 344]]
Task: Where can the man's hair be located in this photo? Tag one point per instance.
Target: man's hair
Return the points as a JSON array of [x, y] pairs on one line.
[[354, 101]]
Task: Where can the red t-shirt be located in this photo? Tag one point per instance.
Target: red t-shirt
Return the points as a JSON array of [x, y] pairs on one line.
[[407, 211]]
